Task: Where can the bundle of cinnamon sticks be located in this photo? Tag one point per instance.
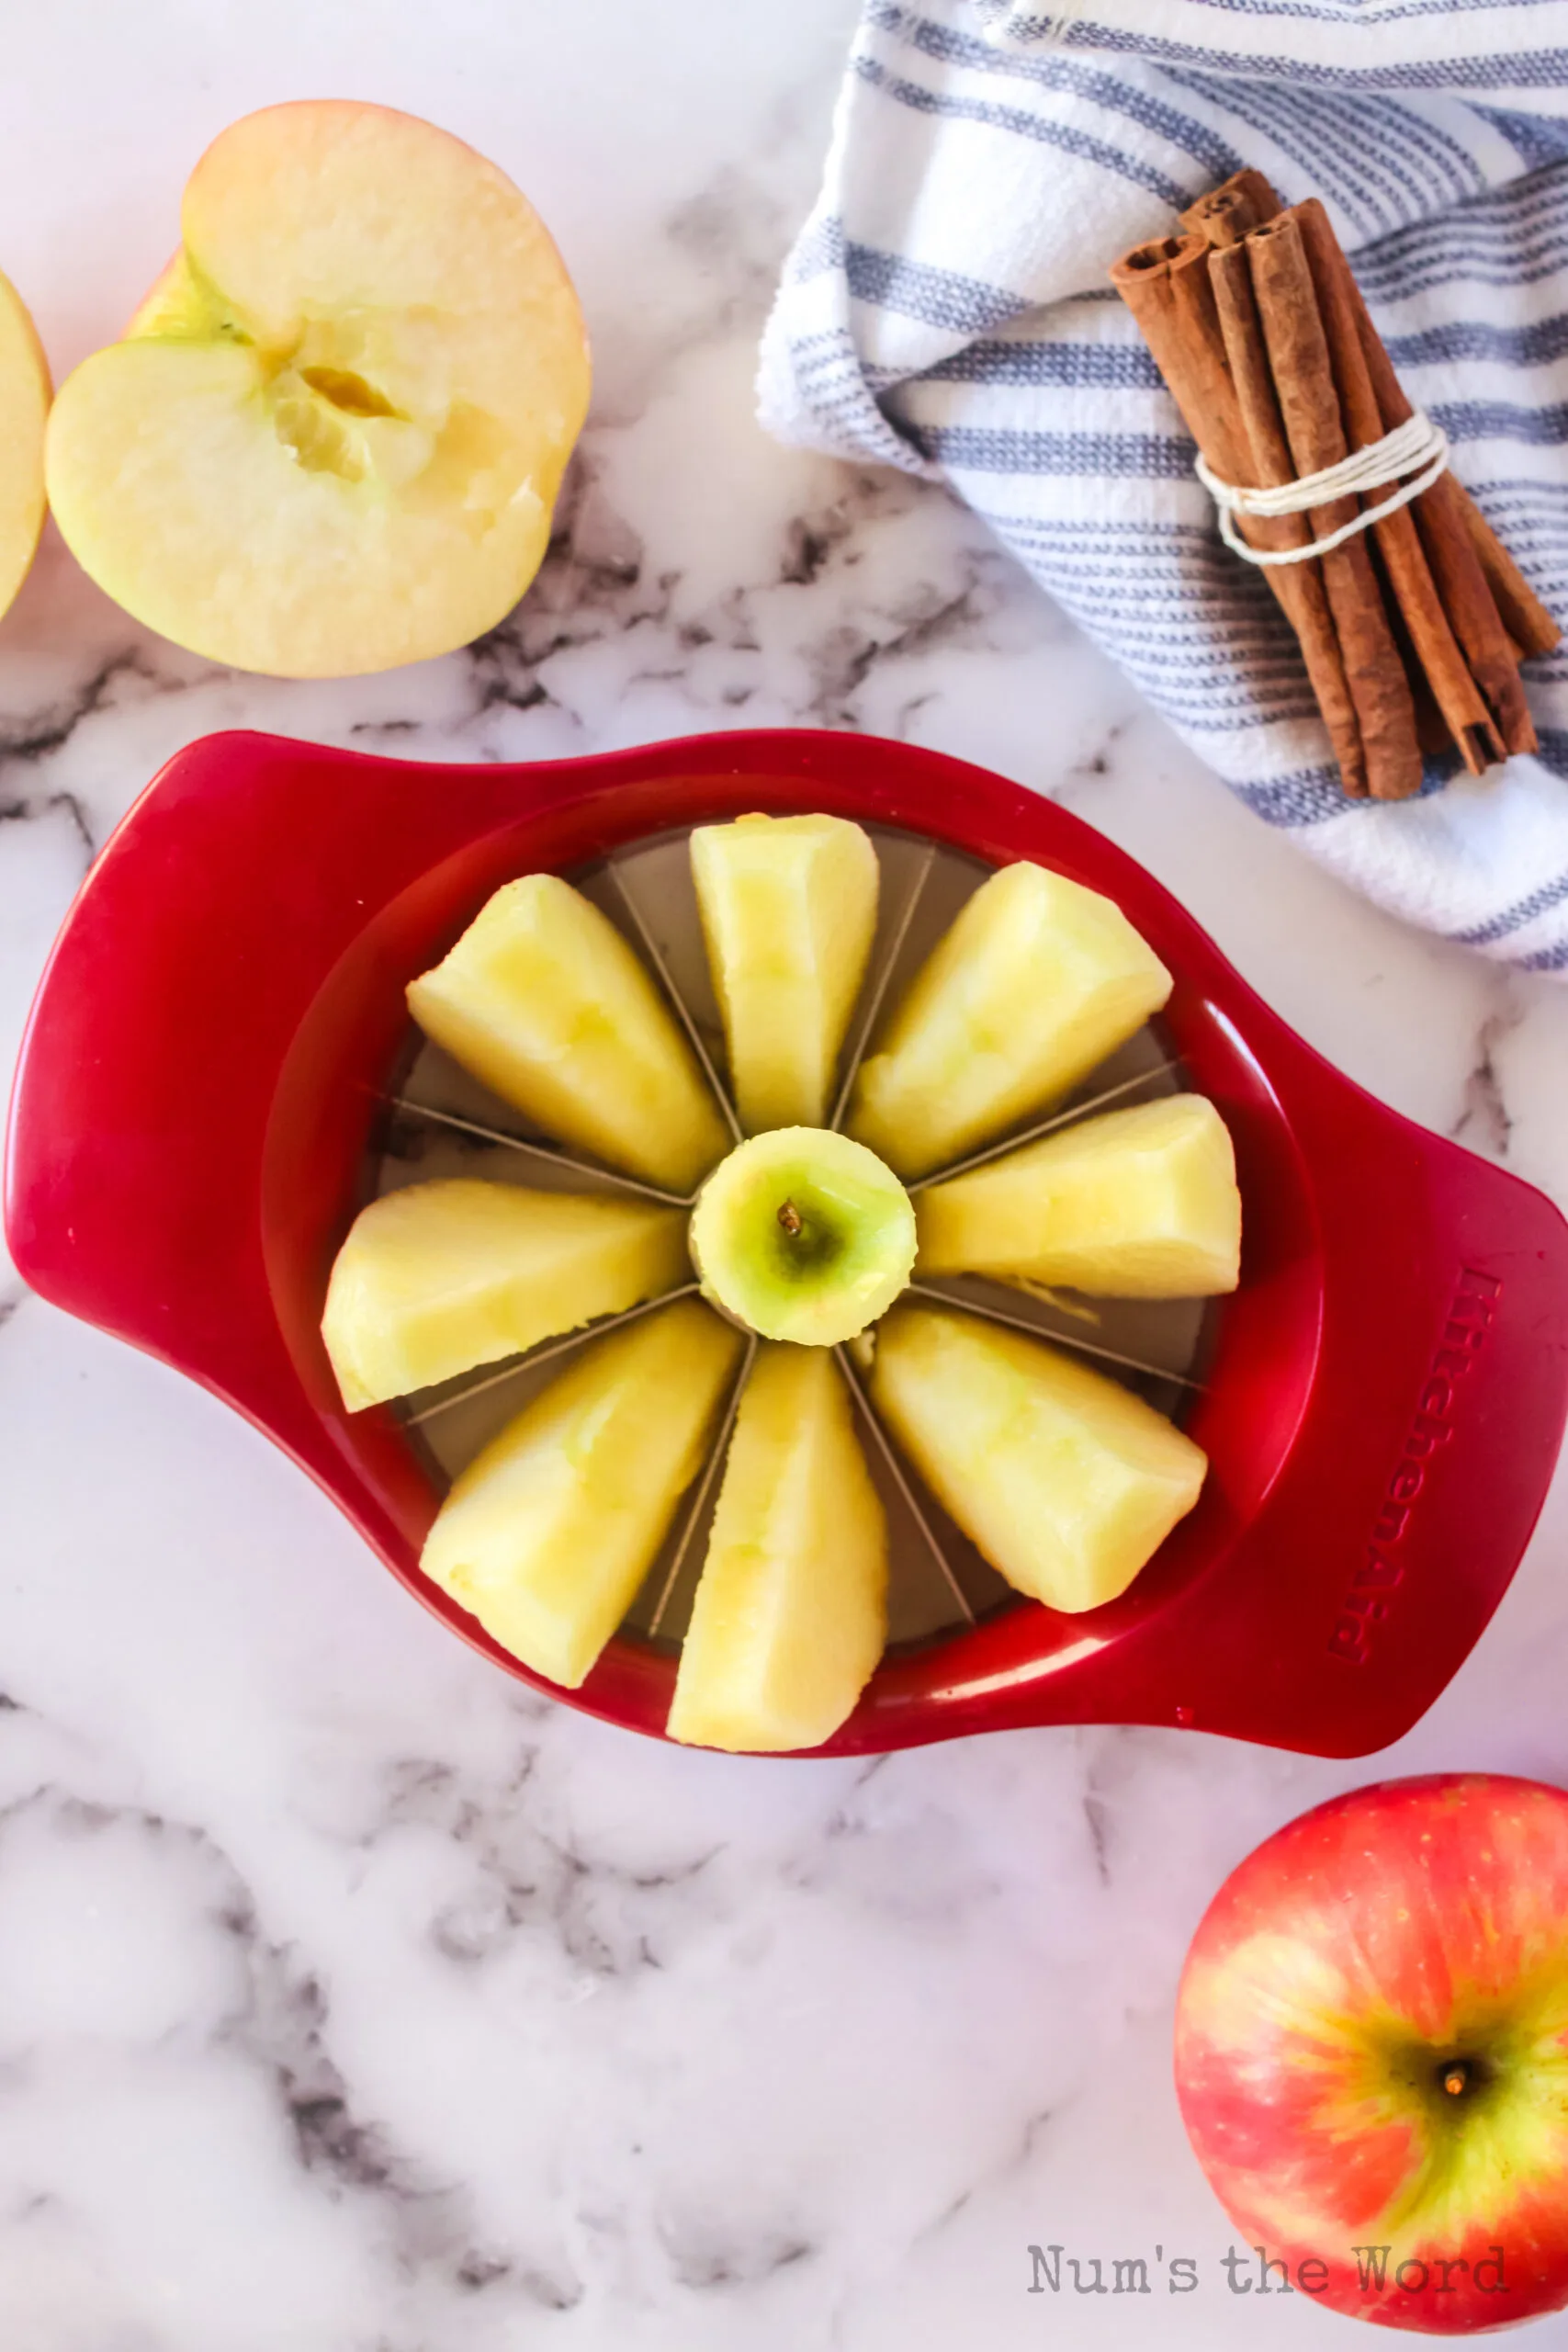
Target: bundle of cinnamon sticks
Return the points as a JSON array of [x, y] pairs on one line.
[[1412, 630]]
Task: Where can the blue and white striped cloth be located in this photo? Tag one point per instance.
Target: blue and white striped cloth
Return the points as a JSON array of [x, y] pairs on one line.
[[946, 310]]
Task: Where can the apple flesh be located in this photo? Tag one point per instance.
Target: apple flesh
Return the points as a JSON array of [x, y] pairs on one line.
[[1371, 2052], [547, 1535], [803, 1235], [24, 409], [1139, 1204], [544, 1001], [791, 1615], [332, 438], [788, 910], [437, 1278], [1036, 981], [1065, 1480]]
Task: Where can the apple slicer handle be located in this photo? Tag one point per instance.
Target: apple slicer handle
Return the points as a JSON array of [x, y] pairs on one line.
[[252, 878], [1428, 1433]]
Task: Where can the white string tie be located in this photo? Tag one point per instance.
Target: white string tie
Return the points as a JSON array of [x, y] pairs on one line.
[[1417, 442]]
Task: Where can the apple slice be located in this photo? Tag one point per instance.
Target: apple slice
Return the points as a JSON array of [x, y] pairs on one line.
[[333, 437], [791, 1615], [789, 910], [24, 407], [1036, 981], [437, 1278], [1067, 1482], [1139, 1204], [547, 1535], [803, 1235], [543, 999]]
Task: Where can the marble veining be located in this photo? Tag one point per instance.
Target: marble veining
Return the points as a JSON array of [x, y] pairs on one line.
[[352, 1998]]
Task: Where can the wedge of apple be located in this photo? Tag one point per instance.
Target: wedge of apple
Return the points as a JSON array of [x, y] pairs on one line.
[[1067, 1482], [437, 1278], [1138, 1203], [547, 1535], [1036, 981], [543, 999], [789, 910], [24, 407], [331, 439], [791, 1615]]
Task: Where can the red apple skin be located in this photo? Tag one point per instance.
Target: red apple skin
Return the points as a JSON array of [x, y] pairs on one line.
[[1335, 1976]]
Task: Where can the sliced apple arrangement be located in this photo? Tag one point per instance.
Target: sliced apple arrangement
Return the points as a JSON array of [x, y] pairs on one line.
[[331, 438], [766, 1279]]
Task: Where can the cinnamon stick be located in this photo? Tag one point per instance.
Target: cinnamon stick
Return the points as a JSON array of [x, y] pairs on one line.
[[1303, 381], [1165, 286], [1432, 641], [1186, 344], [1243, 202], [1232, 211], [1260, 330], [1441, 519], [1269, 467], [1520, 610]]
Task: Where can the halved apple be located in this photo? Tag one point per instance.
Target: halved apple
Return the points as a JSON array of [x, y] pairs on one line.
[[333, 437], [23, 406]]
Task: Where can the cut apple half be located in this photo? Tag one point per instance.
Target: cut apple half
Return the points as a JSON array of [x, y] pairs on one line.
[[24, 409], [333, 436]]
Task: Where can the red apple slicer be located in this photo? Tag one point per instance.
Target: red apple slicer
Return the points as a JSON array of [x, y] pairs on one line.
[[219, 1070]]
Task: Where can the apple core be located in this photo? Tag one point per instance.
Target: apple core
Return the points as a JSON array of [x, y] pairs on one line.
[[803, 1235]]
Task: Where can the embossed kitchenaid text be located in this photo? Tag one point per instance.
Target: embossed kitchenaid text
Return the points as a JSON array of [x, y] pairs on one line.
[[1371, 1597]]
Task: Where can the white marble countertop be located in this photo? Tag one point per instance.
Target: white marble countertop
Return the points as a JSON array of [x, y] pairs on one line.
[[351, 1999]]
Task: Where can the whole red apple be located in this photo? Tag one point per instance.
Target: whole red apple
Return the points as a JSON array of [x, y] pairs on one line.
[[1371, 2053]]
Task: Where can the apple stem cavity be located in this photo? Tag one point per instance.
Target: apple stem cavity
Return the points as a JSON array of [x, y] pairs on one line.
[[1455, 2077], [791, 1220]]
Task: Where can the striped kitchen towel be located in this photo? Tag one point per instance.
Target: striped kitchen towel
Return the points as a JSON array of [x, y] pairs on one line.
[[946, 310]]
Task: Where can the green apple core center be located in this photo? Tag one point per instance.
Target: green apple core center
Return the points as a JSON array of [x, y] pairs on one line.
[[802, 1234]]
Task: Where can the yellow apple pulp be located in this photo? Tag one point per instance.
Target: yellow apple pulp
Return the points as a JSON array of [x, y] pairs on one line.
[[543, 1001], [1066, 1481], [23, 406], [1139, 1204], [789, 911], [433, 1279], [791, 1615], [548, 1534], [1036, 981]]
